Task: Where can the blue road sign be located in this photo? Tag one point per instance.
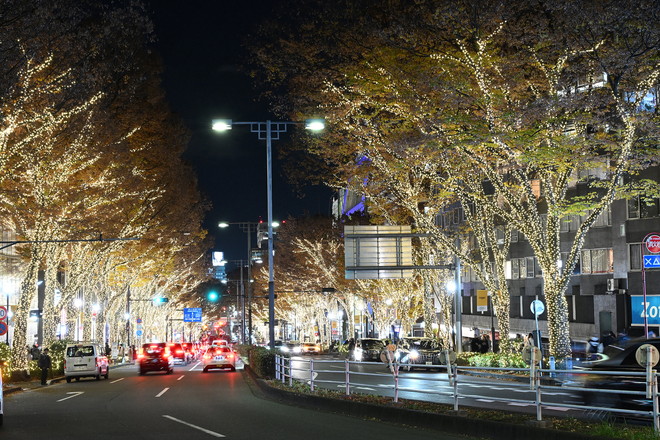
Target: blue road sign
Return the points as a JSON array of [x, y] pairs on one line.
[[651, 261], [651, 309], [192, 314], [139, 332]]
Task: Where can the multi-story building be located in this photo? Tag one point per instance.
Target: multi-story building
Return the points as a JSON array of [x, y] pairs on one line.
[[605, 291]]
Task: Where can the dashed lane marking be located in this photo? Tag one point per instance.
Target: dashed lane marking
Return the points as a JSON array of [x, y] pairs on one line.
[[162, 392], [199, 428]]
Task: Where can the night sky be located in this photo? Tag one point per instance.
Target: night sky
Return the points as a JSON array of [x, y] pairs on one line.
[[200, 43]]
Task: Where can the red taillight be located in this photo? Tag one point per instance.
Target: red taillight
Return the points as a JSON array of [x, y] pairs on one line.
[[96, 361], [230, 356], [207, 356], [140, 356]]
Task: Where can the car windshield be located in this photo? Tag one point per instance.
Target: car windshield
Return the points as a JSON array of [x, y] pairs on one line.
[[81, 350], [424, 344], [218, 350], [372, 344]]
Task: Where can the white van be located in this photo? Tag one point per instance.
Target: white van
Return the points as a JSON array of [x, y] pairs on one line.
[[85, 359]]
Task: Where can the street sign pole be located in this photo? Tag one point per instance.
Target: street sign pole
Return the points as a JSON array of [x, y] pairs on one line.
[[652, 243]]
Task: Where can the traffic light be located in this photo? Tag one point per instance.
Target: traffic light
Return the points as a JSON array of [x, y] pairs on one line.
[[212, 296], [160, 300]]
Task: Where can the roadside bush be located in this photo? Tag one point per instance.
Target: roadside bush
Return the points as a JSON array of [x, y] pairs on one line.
[[5, 356], [498, 360], [262, 362], [56, 351]]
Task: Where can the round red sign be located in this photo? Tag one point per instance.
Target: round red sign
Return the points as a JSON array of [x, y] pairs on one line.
[[653, 243]]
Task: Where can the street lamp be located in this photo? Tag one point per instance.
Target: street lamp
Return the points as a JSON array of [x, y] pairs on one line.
[[268, 131]]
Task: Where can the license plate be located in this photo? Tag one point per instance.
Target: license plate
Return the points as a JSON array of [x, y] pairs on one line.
[[219, 358], [429, 363]]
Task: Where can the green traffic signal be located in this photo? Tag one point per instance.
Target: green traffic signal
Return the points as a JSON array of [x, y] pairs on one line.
[[160, 300], [212, 296]]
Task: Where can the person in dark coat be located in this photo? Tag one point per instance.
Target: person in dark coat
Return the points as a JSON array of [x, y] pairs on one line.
[[45, 364]]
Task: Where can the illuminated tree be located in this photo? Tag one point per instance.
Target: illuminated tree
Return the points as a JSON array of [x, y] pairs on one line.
[[442, 97]]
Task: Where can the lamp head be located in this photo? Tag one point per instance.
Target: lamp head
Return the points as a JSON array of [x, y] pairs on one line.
[[315, 124], [221, 124]]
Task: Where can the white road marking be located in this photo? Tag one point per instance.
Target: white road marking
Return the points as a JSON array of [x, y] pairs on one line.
[[214, 434], [117, 380], [162, 392], [75, 394], [195, 366], [181, 377]]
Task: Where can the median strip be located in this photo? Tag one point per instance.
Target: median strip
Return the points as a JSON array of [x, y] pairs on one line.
[[209, 432]]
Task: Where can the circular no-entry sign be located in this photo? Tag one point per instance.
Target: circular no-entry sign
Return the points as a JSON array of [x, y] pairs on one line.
[[3, 328], [537, 307], [652, 243]]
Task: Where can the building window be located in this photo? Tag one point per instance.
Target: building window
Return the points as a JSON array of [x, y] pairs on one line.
[[643, 208], [538, 273], [597, 261], [564, 265], [635, 256], [530, 267], [514, 236], [604, 219], [515, 269]]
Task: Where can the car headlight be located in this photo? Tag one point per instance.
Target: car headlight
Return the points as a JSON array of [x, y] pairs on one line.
[[285, 349], [414, 354]]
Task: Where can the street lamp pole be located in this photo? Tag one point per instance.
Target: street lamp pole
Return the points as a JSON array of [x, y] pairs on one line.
[[271, 130], [271, 272]]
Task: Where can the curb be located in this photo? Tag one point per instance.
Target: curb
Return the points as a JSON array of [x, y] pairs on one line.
[[15, 389], [450, 424]]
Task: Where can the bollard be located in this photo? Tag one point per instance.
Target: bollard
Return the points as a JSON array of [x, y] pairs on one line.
[[551, 361], [277, 367], [348, 377]]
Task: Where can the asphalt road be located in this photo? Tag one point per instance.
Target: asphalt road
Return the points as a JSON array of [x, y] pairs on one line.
[[185, 405]]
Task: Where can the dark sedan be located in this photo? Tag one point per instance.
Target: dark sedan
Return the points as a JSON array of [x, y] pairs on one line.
[[619, 357], [156, 357]]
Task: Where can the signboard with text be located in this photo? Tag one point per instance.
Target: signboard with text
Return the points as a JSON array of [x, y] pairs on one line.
[[482, 300], [650, 309], [192, 314]]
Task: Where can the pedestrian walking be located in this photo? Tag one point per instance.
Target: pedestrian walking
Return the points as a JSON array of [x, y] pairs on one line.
[[130, 354], [45, 364], [35, 352], [120, 354]]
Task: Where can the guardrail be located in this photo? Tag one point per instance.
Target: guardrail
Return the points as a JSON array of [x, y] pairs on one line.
[[543, 382]]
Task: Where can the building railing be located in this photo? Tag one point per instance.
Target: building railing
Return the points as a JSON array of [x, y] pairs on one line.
[[543, 383]]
